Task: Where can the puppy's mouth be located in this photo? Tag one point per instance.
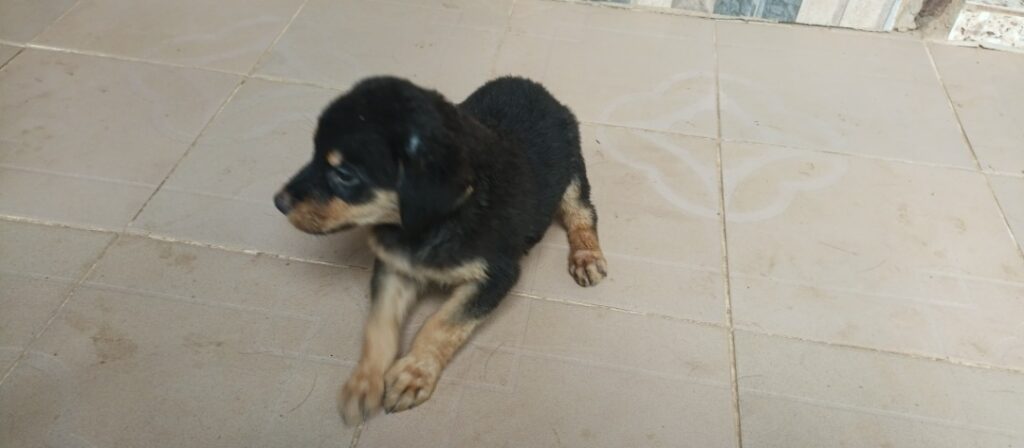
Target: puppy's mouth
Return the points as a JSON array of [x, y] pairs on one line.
[[318, 231], [341, 228]]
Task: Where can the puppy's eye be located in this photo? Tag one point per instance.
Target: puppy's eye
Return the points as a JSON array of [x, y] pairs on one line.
[[342, 178]]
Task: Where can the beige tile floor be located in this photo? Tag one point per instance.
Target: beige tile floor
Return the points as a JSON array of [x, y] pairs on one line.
[[814, 235]]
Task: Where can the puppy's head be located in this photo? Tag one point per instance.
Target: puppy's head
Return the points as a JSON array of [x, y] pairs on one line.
[[386, 152]]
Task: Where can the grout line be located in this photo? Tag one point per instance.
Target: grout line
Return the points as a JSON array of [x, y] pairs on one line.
[[296, 82], [185, 154], [54, 22], [82, 177], [97, 54], [156, 295], [860, 348], [727, 285], [53, 316], [952, 106], [115, 57], [1003, 174], [501, 41], [643, 129], [266, 51], [857, 156], [47, 223], [893, 414], [8, 61], [1006, 220], [970, 146], [685, 320], [237, 250], [801, 149], [170, 239]]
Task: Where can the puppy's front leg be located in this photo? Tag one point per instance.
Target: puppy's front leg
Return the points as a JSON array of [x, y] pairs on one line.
[[412, 379], [392, 295]]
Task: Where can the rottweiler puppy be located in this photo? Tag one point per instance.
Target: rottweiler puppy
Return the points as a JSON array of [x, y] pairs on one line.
[[455, 195]]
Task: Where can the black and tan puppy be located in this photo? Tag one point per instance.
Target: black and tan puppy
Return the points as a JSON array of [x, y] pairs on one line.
[[455, 195]]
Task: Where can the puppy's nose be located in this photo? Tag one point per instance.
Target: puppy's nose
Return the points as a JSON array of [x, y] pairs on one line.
[[283, 202]]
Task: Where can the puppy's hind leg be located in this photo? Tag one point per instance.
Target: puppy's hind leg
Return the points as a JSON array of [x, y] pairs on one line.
[[577, 214]]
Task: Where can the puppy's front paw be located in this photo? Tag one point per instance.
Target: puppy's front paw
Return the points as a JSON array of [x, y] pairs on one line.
[[410, 382], [362, 394], [588, 267]]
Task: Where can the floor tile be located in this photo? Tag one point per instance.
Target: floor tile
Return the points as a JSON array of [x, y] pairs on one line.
[[644, 70], [575, 373], [56, 253], [872, 253], [222, 192], [258, 282], [22, 20], [7, 52], [770, 93], [446, 45], [796, 393], [32, 287], [123, 369], [225, 35], [231, 359], [657, 203], [86, 140], [35, 194], [870, 260], [1009, 192], [985, 88], [9, 354], [306, 411]]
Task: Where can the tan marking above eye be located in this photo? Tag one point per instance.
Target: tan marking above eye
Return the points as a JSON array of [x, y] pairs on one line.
[[334, 158]]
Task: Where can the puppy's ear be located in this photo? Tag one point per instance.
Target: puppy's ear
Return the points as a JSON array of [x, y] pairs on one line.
[[433, 179]]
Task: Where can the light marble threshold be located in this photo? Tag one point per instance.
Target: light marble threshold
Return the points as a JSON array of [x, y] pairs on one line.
[[996, 24]]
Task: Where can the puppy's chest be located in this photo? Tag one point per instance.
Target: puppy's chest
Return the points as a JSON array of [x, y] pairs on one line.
[[400, 260]]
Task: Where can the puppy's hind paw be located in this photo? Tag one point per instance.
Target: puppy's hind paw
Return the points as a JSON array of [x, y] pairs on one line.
[[588, 267]]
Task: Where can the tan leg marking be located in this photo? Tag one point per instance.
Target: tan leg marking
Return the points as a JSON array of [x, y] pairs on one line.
[[363, 393], [586, 261], [412, 379]]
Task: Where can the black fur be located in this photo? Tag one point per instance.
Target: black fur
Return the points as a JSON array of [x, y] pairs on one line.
[[482, 179]]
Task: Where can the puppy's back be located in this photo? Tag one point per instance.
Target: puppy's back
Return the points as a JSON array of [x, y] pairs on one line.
[[524, 112]]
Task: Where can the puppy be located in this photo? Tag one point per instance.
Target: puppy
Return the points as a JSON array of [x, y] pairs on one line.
[[456, 195]]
